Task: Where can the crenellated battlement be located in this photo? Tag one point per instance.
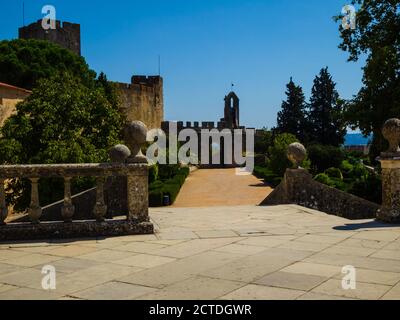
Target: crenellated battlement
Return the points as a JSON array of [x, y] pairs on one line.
[[149, 81], [66, 34], [196, 125], [147, 84], [143, 100]]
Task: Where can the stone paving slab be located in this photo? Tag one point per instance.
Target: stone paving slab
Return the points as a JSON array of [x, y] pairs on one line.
[[293, 281], [238, 252], [113, 291], [256, 292], [196, 288], [365, 291]]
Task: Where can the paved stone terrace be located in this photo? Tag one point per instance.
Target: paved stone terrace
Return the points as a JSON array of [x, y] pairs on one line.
[[247, 252], [218, 187]]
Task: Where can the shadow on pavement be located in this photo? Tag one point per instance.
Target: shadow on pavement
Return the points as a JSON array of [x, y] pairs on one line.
[[366, 225]]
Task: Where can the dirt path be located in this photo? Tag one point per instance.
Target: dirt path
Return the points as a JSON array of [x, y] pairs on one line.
[[221, 187]]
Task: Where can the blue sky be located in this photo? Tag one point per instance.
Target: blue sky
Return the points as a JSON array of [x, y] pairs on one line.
[[205, 45]]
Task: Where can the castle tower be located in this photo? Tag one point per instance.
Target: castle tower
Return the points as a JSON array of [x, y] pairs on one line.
[[66, 35], [231, 111], [143, 100]]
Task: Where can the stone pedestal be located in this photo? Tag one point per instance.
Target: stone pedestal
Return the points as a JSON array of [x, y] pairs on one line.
[[390, 163], [138, 195], [390, 211], [137, 180]]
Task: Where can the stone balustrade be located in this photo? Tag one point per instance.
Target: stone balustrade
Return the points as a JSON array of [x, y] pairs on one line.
[[128, 163], [137, 173], [137, 196]]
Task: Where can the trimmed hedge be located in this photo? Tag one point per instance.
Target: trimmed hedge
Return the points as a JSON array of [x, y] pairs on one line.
[[170, 187], [156, 198], [267, 175]]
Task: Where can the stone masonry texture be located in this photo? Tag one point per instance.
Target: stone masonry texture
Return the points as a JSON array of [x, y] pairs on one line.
[[66, 34], [143, 100]]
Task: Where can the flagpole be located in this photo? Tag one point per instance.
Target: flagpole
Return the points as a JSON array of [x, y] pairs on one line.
[[23, 13], [159, 65]]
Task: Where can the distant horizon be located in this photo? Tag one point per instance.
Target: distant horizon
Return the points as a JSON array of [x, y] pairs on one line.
[[357, 139], [207, 45]]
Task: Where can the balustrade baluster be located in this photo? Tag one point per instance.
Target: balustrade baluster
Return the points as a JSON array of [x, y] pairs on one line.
[[100, 209], [3, 205], [68, 208], [35, 210]]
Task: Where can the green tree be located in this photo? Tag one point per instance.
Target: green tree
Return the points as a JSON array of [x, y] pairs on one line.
[[278, 160], [377, 36], [263, 140], [325, 119], [324, 157], [24, 62], [291, 119], [63, 121]]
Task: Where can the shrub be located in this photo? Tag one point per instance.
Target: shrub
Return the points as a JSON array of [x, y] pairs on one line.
[[259, 160], [185, 171], [156, 185], [172, 190], [181, 178], [346, 167], [267, 175], [334, 173], [167, 171], [171, 186], [156, 198], [260, 172], [324, 178], [324, 157], [276, 181], [369, 188], [153, 173], [178, 180], [263, 141], [278, 162], [359, 171]]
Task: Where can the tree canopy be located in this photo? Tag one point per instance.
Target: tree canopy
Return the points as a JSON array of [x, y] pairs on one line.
[[63, 121], [24, 62], [325, 123], [291, 119], [377, 36]]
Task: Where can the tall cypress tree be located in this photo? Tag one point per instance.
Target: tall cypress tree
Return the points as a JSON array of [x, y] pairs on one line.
[[325, 121], [291, 119]]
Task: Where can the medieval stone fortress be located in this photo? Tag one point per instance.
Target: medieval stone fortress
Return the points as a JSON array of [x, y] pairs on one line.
[[65, 34], [86, 214], [142, 99]]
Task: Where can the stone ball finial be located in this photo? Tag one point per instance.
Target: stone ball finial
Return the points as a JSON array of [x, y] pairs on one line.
[[119, 154], [296, 153], [391, 132], [135, 134]]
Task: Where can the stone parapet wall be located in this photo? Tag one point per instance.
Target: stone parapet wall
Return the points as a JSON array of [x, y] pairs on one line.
[[61, 230], [298, 187]]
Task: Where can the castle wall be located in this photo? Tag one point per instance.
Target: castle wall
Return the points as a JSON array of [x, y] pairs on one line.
[[66, 35], [143, 100], [215, 135], [10, 96]]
